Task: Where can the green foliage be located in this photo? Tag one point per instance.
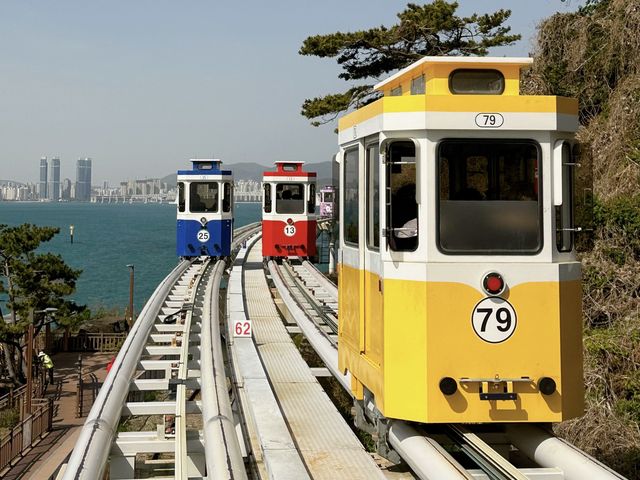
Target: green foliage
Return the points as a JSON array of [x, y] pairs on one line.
[[34, 281], [9, 417], [430, 29]]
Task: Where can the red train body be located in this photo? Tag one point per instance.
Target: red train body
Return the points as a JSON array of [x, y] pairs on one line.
[[288, 212]]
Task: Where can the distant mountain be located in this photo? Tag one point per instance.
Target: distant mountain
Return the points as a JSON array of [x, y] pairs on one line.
[[254, 171]]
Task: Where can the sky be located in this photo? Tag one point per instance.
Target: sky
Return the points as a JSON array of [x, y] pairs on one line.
[[142, 86]]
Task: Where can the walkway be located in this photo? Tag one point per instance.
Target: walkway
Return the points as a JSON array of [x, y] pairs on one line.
[[42, 461]]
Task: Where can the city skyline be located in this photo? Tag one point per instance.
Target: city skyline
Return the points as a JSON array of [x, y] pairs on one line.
[[144, 85]]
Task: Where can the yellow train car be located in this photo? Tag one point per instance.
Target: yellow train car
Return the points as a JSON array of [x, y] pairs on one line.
[[459, 288]]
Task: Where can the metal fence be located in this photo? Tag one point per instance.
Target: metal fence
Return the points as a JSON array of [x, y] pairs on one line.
[[28, 432], [90, 342]]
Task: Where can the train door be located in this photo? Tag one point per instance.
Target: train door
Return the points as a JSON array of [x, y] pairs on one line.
[[349, 259], [372, 292]]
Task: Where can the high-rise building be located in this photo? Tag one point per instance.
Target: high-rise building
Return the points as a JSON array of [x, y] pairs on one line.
[[65, 192], [83, 179], [54, 180], [43, 178]]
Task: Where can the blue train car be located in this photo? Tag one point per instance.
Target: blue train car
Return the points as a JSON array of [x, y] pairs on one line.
[[205, 210]]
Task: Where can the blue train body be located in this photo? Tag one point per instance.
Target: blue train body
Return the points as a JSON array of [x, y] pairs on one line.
[[205, 210]]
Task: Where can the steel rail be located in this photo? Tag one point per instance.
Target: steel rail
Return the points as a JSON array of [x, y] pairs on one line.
[[327, 351], [223, 455], [308, 297], [549, 451], [324, 282], [91, 452]]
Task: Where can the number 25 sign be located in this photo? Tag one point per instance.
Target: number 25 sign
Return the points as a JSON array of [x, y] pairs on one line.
[[242, 328]]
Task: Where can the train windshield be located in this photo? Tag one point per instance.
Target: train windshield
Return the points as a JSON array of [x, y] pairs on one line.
[[290, 198], [203, 197], [489, 197], [327, 197]]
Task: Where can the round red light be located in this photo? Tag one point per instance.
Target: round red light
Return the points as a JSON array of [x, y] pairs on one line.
[[289, 221], [493, 283]]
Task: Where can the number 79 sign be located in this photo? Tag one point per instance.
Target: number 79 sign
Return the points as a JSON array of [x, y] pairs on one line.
[[242, 328], [494, 320]]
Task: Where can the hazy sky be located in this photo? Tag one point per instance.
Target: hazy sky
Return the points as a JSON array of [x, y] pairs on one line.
[[141, 86]]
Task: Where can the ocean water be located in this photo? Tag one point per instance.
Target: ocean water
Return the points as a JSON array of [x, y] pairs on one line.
[[107, 237]]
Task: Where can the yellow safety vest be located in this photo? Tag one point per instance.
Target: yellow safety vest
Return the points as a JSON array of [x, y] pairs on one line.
[[46, 360]]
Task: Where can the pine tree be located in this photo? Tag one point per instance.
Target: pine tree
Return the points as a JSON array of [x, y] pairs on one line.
[[431, 29], [32, 282]]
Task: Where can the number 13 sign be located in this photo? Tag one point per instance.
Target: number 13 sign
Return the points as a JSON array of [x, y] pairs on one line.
[[242, 328]]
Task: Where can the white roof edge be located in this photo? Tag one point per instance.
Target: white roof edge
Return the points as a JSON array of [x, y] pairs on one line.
[[302, 162], [452, 59], [205, 160]]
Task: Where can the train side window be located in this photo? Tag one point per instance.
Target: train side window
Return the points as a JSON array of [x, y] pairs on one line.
[[290, 198], [489, 197], [203, 197], [226, 201], [181, 199], [350, 196], [373, 197], [564, 212], [476, 82], [267, 198], [402, 208], [417, 85], [311, 204], [396, 92]]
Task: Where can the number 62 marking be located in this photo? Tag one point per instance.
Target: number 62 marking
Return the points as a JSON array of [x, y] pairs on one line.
[[489, 120]]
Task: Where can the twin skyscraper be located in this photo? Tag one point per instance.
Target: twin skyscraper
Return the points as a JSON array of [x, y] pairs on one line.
[[50, 187]]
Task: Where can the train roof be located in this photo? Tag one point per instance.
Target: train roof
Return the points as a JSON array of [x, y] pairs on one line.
[[205, 166], [440, 65], [448, 93], [289, 168]]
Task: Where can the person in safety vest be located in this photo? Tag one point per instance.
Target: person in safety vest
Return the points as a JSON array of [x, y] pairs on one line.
[[48, 364]]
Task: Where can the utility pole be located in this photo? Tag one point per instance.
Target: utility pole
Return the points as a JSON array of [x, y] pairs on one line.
[[131, 280], [29, 364]]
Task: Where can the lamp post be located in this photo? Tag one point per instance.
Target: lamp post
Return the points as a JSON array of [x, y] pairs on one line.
[[32, 313], [131, 279]]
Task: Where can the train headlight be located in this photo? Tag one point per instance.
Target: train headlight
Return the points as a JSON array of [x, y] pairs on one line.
[[448, 386], [289, 221], [203, 221], [493, 283], [547, 385]]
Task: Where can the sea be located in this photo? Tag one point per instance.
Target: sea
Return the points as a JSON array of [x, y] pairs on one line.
[[107, 238]]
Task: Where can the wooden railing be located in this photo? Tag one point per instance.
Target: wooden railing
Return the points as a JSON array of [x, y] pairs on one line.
[[91, 342], [28, 432]]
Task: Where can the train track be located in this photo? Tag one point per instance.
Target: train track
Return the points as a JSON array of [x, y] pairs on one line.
[[169, 351], [261, 423], [453, 451]]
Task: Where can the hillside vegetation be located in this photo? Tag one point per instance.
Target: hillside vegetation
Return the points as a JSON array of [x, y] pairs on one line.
[[594, 55]]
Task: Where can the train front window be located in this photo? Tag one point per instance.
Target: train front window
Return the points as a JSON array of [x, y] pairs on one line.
[[327, 197], [311, 204], [228, 197], [203, 197], [489, 197], [181, 202], [289, 198], [402, 208], [267, 198]]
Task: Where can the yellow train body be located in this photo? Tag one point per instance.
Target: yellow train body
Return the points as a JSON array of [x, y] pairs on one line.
[[409, 319]]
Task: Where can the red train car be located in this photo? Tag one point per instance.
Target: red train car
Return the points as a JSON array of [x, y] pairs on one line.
[[289, 212]]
